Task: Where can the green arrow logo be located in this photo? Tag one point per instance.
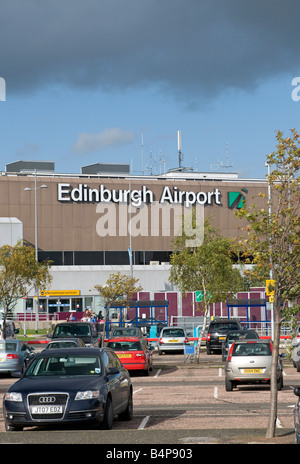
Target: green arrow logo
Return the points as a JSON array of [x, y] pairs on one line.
[[236, 199]]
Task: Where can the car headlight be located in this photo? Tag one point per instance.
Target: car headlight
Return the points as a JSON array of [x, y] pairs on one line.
[[13, 396], [87, 395]]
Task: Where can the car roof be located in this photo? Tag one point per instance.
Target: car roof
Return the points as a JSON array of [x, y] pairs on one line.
[[125, 338], [63, 339], [70, 351], [255, 340]]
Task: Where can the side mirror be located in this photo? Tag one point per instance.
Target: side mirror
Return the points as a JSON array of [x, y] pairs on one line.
[[113, 371], [283, 355], [297, 391]]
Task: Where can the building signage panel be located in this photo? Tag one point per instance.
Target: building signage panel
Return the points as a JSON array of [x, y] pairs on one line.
[[60, 293]]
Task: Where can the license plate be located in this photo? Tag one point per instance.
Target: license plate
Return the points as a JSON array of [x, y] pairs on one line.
[[173, 341], [1, 359], [222, 338], [251, 371], [124, 355], [46, 409]]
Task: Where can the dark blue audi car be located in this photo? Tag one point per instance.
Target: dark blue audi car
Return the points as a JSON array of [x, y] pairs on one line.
[[70, 385]]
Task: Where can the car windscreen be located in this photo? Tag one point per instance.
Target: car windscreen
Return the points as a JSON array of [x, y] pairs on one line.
[[64, 366], [252, 349], [220, 326], [69, 330], [172, 333], [125, 346], [124, 332], [231, 336], [66, 344], [7, 346]]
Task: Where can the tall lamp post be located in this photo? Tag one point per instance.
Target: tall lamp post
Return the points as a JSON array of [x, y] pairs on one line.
[[267, 165], [28, 189]]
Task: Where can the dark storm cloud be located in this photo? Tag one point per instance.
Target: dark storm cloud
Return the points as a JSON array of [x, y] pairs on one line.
[[187, 48]]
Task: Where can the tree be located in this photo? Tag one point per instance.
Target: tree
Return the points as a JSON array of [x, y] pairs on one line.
[[206, 268], [274, 240], [19, 274], [119, 289]]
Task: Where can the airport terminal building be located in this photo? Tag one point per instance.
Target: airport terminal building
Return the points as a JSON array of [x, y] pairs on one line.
[[104, 220]]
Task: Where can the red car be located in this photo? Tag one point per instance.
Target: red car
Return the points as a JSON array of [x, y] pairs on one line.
[[133, 353]]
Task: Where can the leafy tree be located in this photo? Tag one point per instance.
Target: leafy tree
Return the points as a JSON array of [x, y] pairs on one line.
[[274, 240], [118, 290], [206, 268], [19, 274]]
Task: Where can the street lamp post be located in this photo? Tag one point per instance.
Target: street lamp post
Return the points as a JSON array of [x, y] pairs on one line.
[[28, 189], [267, 164]]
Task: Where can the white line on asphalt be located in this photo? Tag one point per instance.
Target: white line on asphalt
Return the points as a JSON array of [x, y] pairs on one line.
[[216, 392], [220, 371], [144, 422], [157, 373], [137, 391]]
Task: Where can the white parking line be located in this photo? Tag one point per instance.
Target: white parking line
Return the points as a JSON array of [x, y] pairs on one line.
[[144, 422], [157, 373], [137, 391]]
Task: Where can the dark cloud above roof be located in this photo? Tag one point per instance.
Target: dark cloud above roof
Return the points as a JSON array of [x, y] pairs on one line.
[[189, 49]]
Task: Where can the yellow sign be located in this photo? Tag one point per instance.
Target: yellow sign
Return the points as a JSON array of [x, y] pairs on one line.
[[60, 293], [271, 299], [270, 286]]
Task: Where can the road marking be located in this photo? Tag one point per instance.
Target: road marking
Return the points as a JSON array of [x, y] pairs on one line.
[[220, 371], [144, 422], [137, 391], [157, 373], [216, 392]]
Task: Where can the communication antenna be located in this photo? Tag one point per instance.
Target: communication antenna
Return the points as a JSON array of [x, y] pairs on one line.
[[180, 156]]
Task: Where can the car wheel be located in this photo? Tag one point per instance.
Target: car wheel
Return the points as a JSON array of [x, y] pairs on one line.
[[128, 413], [108, 418], [228, 385], [160, 352], [298, 366], [146, 371], [279, 383]]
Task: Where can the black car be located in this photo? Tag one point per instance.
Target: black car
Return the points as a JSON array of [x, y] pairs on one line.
[[217, 331], [87, 331], [233, 335], [126, 332], [86, 385]]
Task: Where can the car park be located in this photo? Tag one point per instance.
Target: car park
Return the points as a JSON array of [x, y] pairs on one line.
[[172, 339], [78, 385], [237, 335], [65, 343], [217, 331], [133, 352], [249, 362], [85, 330], [15, 355]]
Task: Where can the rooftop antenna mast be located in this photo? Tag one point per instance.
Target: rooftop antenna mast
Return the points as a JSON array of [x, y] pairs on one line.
[[180, 156]]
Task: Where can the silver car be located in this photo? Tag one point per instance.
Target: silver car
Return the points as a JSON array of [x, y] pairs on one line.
[[172, 339], [249, 362], [15, 355], [296, 350], [297, 416], [65, 343]]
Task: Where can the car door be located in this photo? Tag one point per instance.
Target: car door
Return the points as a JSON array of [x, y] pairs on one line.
[[121, 379]]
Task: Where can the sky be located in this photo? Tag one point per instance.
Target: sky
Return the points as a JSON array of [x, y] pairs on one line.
[[113, 81]]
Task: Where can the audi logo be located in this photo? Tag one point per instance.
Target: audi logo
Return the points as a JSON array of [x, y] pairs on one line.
[[47, 399]]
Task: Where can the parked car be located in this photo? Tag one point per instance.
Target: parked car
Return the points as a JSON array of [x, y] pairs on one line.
[[133, 353], [127, 332], [85, 330], [297, 415], [171, 339], [237, 335], [249, 362], [217, 331], [65, 343], [296, 350], [15, 355], [8, 330], [70, 385]]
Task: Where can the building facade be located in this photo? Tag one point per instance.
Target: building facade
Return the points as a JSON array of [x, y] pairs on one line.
[[90, 225]]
